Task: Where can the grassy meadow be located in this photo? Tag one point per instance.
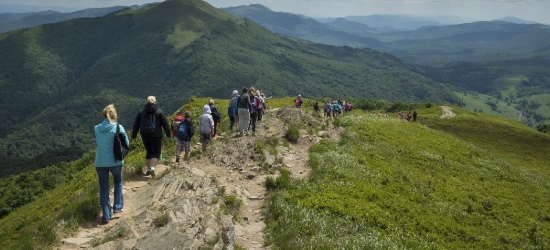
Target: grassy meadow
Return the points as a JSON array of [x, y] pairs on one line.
[[471, 182]]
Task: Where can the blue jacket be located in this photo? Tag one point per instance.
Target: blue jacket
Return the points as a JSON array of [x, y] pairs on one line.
[[104, 139]]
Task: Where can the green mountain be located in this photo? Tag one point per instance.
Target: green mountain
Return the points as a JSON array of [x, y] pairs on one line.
[[56, 78]]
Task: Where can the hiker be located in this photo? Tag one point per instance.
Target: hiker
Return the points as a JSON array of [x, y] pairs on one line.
[[183, 137], [298, 102], [261, 105], [215, 115], [105, 163], [316, 107], [206, 126], [254, 103], [244, 111], [150, 121], [408, 116], [336, 110], [176, 121], [327, 109], [414, 116], [233, 110]]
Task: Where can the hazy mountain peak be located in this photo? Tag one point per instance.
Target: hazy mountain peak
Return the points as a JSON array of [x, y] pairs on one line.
[[512, 19]]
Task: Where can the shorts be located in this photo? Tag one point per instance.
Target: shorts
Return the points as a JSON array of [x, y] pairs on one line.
[[153, 146], [183, 146]]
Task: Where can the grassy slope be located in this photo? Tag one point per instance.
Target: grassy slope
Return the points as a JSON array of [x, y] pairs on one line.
[[478, 102], [387, 184], [472, 182]]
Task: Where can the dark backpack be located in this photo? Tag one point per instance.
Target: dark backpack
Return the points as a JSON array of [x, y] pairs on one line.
[[241, 102], [120, 148], [147, 123], [215, 113], [183, 132]]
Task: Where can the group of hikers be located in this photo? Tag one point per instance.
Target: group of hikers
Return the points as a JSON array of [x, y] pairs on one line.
[[333, 108], [408, 116], [244, 111], [152, 124]]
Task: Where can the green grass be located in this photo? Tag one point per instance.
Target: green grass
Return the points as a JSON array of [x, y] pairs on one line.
[[392, 184], [479, 102]]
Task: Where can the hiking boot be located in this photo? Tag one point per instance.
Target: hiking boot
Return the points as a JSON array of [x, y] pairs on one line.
[[152, 172], [177, 160], [116, 211], [103, 222], [148, 172]]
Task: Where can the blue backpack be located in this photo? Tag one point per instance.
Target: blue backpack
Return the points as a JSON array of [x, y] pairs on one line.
[[147, 123], [233, 108], [183, 132]]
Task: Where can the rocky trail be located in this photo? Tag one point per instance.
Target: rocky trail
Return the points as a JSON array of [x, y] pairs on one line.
[[183, 206]]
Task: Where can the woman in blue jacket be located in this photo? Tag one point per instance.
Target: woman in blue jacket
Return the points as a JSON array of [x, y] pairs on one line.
[[105, 163]]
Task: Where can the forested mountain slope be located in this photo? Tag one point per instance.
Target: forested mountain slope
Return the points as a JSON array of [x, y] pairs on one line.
[[56, 78]]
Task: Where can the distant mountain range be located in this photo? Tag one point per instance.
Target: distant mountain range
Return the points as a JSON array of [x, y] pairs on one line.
[[17, 20], [414, 39]]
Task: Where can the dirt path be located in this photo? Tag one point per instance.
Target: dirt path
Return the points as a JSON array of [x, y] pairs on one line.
[[81, 239], [237, 169]]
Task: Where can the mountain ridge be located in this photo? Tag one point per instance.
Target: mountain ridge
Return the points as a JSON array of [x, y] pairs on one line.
[[238, 168]]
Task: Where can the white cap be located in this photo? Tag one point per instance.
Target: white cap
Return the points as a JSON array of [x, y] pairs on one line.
[[235, 92], [299, 95]]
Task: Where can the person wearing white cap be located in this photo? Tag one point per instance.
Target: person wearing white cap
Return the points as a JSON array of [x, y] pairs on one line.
[[298, 102]]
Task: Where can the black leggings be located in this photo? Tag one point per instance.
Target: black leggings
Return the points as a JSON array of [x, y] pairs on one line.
[[253, 119]]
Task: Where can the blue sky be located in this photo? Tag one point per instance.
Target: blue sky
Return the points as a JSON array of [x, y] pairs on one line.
[[531, 10]]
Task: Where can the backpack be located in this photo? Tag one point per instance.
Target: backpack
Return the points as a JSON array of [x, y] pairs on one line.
[[175, 125], [183, 132], [215, 113], [241, 102], [147, 123], [233, 108], [253, 106], [259, 105], [297, 102], [120, 148]]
